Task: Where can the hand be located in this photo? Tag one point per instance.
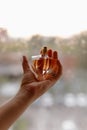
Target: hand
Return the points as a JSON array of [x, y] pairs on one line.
[[31, 83]]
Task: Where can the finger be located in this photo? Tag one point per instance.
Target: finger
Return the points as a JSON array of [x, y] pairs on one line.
[[49, 63], [57, 70], [49, 52], [54, 59], [25, 65], [55, 55]]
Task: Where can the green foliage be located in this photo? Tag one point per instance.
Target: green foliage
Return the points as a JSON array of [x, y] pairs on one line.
[[74, 46], [14, 46]]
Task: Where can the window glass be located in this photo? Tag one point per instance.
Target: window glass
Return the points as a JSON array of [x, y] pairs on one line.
[[27, 26]]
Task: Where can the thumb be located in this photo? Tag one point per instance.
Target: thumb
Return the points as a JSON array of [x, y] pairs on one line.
[[25, 65]]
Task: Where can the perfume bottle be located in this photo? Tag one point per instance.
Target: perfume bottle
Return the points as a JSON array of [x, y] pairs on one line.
[[39, 64], [45, 66]]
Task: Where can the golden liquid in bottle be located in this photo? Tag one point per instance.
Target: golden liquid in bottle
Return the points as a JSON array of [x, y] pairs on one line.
[[40, 63], [44, 66]]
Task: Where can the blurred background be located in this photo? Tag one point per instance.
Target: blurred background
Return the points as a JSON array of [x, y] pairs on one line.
[[25, 27]]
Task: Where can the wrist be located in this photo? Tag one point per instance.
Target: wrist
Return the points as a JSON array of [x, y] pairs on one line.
[[23, 97]]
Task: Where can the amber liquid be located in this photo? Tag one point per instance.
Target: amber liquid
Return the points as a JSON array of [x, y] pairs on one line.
[[45, 68]]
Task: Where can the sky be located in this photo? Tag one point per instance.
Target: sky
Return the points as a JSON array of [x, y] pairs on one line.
[[23, 18]]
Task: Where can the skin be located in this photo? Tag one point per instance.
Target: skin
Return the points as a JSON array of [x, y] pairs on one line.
[[31, 88]]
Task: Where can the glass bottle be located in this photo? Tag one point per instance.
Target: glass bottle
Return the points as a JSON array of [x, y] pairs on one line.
[[46, 65], [39, 64]]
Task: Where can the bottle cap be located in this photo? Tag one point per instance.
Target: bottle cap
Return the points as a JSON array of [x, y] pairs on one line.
[[44, 51]]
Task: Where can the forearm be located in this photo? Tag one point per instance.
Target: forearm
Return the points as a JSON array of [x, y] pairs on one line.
[[13, 109]]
